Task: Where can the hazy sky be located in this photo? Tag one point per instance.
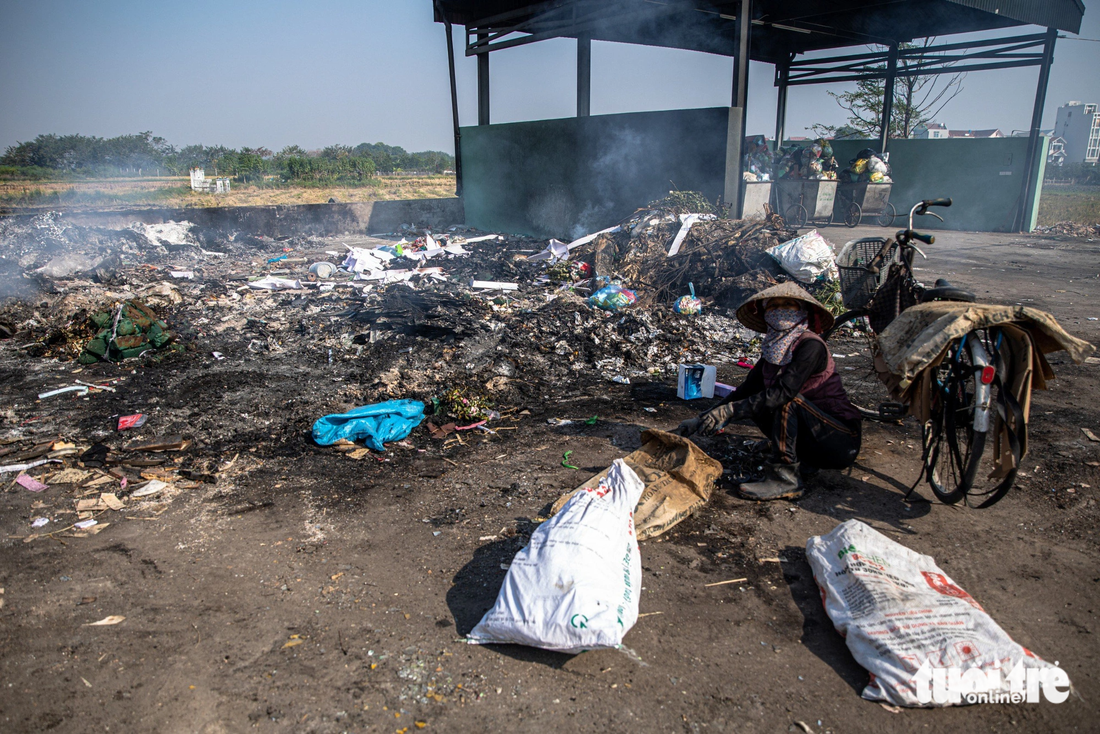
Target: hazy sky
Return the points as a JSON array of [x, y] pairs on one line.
[[275, 73]]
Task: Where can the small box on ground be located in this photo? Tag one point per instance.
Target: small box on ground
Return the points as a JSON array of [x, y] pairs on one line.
[[696, 381]]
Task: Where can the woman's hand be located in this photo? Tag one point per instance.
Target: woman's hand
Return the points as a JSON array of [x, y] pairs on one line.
[[712, 421]]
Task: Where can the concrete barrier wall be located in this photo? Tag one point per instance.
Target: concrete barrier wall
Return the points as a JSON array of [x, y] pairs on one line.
[[567, 177], [275, 221], [984, 177]]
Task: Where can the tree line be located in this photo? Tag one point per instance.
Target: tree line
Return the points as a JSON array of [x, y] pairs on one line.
[[144, 154]]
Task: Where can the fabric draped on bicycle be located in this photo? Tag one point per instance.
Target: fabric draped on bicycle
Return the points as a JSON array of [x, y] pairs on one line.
[[948, 359]]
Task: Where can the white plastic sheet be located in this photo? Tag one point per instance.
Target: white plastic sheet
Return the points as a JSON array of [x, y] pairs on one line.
[[687, 221], [273, 283]]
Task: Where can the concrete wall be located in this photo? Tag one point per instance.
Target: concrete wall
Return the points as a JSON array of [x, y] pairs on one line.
[[275, 221], [984, 177], [567, 177]]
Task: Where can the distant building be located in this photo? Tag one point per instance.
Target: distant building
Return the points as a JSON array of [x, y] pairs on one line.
[[994, 133], [1078, 124], [936, 131], [931, 131], [1056, 153], [199, 182]]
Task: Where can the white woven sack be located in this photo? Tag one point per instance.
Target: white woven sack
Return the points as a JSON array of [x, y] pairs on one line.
[[575, 586]]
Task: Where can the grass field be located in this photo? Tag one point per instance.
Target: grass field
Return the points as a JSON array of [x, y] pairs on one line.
[[176, 192], [1079, 204]]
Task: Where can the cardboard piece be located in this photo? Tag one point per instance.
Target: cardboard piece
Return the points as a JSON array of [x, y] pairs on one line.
[[678, 477]]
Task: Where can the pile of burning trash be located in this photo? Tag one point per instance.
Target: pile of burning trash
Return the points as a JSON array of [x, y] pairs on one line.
[[419, 311]]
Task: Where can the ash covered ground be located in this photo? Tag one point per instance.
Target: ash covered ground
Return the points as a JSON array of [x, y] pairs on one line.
[[271, 583]]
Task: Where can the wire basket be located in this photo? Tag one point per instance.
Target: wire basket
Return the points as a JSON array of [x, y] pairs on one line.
[[857, 284]]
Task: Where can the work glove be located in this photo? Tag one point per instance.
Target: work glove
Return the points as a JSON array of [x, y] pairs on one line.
[[713, 420], [689, 427]]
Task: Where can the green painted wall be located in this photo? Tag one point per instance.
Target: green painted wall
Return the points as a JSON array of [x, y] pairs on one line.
[[565, 178], [983, 177], [568, 177]]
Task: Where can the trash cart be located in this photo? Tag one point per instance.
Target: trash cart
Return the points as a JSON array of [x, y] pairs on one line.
[[802, 200], [854, 201], [755, 194]]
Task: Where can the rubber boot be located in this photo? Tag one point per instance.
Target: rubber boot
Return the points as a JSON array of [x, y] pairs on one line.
[[781, 481]]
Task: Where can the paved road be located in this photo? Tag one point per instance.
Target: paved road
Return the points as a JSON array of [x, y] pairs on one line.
[[1055, 274]]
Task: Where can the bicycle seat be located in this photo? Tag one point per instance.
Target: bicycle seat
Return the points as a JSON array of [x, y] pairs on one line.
[[944, 291]]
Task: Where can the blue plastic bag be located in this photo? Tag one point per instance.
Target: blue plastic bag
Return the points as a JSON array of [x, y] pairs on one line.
[[378, 423]]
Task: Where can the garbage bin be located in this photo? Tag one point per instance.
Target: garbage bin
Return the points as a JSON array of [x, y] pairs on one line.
[[863, 198], [800, 200], [755, 195]]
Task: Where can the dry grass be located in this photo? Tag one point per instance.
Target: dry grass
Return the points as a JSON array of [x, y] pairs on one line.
[[176, 193], [1078, 204]]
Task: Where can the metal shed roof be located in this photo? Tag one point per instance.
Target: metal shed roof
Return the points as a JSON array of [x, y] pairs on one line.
[[780, 27]]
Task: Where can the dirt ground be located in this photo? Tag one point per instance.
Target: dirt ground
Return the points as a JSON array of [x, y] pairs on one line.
[[305, 591]]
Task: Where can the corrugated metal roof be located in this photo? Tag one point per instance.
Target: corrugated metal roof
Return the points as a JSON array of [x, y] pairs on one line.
[[1065, 15]]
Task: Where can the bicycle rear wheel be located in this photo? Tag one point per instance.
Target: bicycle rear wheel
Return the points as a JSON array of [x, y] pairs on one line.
[[958, 465], [796, 216]]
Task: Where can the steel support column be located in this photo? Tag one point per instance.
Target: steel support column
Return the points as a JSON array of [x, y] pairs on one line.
[[888, 95], [584, 75], [735, 139], [482, 86], [1030, 188], [782, 72], [454, 102]]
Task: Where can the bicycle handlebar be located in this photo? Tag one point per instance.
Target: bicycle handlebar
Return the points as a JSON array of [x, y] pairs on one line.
[[927, 239], [935, 202]]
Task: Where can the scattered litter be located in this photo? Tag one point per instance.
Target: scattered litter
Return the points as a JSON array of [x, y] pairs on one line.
[[182, 274], [275, 283], [493, 285], [322, 270], [688, 305], [85, 524], [128, 330], [82, 389], [23, 467], [695, 381], [392, 420], [111, 501], [612, 298], [106, 622], [575, 586], [40, 521], [161, 443], [565, 460], [730, 581], [686, 223], [555, 251], [127, 422], [1090, 435], [30, 483], [151, 487]]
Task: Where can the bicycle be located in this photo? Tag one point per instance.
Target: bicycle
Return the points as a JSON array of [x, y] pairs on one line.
[[967, 396]]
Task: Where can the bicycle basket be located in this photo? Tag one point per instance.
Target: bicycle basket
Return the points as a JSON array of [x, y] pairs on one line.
[[857, 285]]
